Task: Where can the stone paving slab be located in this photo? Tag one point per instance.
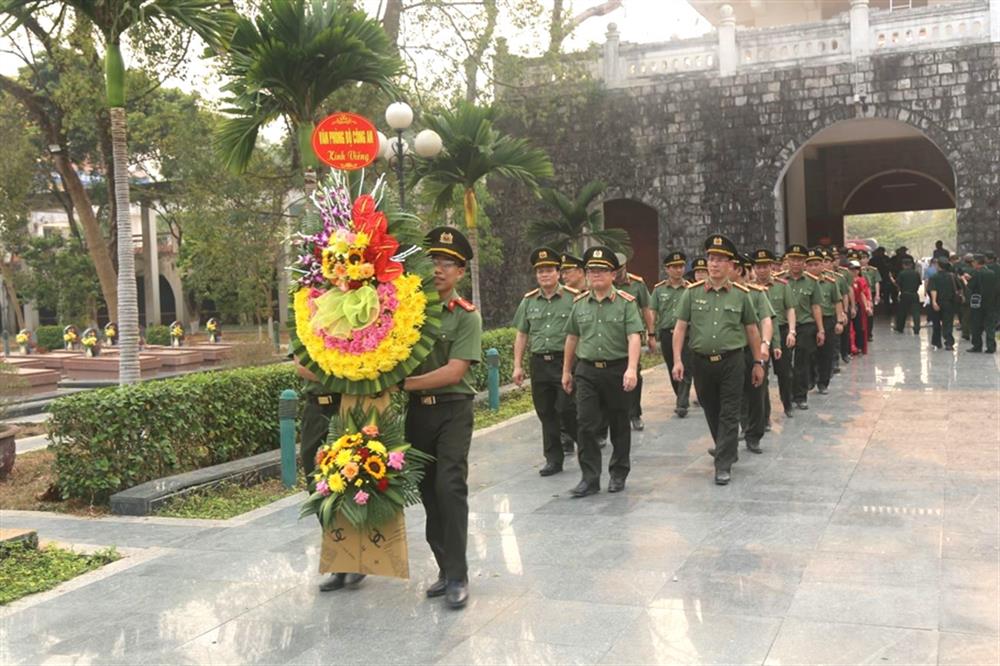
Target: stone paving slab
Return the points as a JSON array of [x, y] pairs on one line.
[[866, 533]]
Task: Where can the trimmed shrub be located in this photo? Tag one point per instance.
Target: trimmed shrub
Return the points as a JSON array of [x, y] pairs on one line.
[[110, 439], [50, 337], [157, 334], [503, 340]]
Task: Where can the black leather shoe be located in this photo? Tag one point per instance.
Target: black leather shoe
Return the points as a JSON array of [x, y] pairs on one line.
[[681, 412], [583, 489], [802, 405], [616, 485], [457, 594], [550, 469], [722, 478], [789, 413], [823, 390], [637, 423], [754, 446], [836, 371], [973, 350], [334, 582], [438, 589]]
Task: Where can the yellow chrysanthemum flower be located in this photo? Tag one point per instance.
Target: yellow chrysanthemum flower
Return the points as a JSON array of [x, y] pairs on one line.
[[337, 483], [378, 447], [343, 457]]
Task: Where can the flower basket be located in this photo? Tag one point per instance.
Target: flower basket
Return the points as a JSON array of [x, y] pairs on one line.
[[23, 340], [214, 330]]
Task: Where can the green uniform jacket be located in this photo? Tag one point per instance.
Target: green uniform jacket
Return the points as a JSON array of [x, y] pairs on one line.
[[830, 295], [762, 304], [943, 283], [603, 326], [986, 282], [804, 292], [780, 298], [717, 317], [544, 319], [635, 287], [908, 281], [460, 338], [664, 303], [873, 277]]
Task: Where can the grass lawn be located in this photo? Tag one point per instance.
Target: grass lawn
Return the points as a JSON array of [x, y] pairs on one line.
[[227, 500], [25, 571]]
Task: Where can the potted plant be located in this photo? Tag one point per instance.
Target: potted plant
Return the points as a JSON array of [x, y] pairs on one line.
[[23, 341], [214, 330], [91, 345], [110, 333], [176, 334]]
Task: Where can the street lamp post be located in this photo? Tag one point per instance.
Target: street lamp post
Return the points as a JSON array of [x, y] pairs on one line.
[[427, 143]]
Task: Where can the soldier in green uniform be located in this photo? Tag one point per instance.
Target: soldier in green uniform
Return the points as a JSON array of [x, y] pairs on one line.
[[838, 265], [603, 341], [573, 274], [874, 279], [541, 321], [439, 419], [944, 298], [784, 321], [753, 409], [908, 281], [666, 296], [963, 270], [633, 284], [722, 321], [809, 332], [984, 301], [832, 308]]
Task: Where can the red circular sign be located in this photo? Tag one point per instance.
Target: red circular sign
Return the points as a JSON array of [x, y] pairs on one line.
[[345, 141]]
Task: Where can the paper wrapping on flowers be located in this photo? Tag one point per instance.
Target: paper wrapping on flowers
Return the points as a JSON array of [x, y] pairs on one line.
[[376, 551], [364, 314]]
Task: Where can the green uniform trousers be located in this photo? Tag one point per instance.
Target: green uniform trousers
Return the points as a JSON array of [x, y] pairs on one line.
[[444, 430], [783, 371], [828, 352], [984, 325], [802, 360], [314, 429], [753, 415], [550, 402], [682, 389], [600, 398], [720, 391], [909, 306]]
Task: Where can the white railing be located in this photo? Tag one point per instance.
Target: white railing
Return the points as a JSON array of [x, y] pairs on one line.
[[689, 55], [826, 41], [929, 27]]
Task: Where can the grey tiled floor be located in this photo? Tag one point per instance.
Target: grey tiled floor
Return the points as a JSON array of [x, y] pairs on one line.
[[867, 533]]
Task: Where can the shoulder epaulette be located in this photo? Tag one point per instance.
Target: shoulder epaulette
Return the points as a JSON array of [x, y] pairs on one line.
[[637, 278], [695, 284], [831, 278], [533, 292], [780, 273], [627, 296], [781, 280], [741, 287], [465, 305], [582, 294], [571, 290], [811, 276], [660, 283], [685, 283]]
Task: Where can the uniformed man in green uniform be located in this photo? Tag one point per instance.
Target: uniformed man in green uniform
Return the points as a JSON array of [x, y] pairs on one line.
[[838, 266], [439, 419], [874, 279], [908, 281], [780, 298], [832, 308], [603, 342], [633, 284], [699, 270], [944, 298], [540, 321], [573, 274], [964, 269], [722, 321], [984, 301], [753, 409], [809, 332], [666, 296]]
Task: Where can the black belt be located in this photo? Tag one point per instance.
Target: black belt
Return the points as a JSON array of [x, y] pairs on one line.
[[429, 400], [604, 364], [715, 358], [323, 399], [553, 356]]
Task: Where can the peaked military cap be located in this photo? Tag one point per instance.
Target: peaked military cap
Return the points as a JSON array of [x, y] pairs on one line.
[[569, 261], [699, 264], [796, 250], [450, 242], [815, 254], [545, 256], [674, 259], [764, 257], [745, 261], [719, 244], [601, 256]]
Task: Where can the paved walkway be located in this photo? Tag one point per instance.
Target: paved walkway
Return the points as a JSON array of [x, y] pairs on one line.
[[870, 539]]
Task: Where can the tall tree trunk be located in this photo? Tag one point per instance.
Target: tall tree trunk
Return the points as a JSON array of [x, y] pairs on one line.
[[391, 20], [474, 62], [128, 302], [471, 206], [15, 302], [557, 30]]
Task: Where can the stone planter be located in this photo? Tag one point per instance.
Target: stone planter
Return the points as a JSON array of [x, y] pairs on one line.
[[8, 451]]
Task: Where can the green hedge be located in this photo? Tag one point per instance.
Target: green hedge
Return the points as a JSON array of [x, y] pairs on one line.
[[503, 340], [50, 337], [157, 335], [110, 439]]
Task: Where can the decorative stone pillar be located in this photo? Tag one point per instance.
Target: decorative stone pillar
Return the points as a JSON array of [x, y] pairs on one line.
[[860, 29], [612, 68], [150, 264], [729, 57]]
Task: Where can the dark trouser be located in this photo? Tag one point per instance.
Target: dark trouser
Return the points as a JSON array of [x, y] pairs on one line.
[[984, 324], [550, 402], [720, 391], [826, 353], [314, 429], [444, 431], [966, 319], [845, 341], [891, 293], [783, 371], [567, 417], [599, 397], [802, 360], [635, 396], [861, 328], [909, 306], [682, 389], [942, 323], [752, 414]]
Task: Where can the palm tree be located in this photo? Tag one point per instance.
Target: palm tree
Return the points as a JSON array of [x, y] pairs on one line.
[[289, 61], [473, 150], [209, 19], [580, 223]]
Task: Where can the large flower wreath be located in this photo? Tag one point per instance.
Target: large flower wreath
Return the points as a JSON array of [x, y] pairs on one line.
[[364, 308]]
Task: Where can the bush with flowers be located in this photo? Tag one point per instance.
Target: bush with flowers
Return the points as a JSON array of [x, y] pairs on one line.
[[365, 473]]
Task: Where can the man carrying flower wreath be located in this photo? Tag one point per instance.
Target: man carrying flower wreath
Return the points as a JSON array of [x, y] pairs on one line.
[[439, 419]]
